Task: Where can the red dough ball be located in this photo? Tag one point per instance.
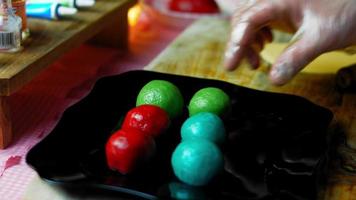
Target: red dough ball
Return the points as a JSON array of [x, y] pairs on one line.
[[149, 119], [194, 6], [126, 149]]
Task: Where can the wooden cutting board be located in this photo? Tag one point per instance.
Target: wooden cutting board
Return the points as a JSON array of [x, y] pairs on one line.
[[327, 63], [198, 52]]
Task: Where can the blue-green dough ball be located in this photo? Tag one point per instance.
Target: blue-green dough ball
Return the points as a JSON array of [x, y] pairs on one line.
[[179, 190], [204, 125], [196, 162]]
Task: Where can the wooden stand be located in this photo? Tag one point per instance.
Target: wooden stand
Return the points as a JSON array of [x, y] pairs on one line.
[[115, 33], [5, 123], [103, 24]]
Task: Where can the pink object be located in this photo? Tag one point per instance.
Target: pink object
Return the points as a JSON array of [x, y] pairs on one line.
[[37, 107], [10, 162]]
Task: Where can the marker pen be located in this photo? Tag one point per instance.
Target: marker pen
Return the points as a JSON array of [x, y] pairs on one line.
[[48, 10], [67, 3]]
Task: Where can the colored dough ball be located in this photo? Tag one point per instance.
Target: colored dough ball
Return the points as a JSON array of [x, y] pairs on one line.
[[163, 94], [179, 190], [197, 162], [204, 126], [209, 99], [193, 6], [126, 150], [149, 119]]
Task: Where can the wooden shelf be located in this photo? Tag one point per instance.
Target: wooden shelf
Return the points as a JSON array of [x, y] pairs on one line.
[[103, 24], [50, 39]]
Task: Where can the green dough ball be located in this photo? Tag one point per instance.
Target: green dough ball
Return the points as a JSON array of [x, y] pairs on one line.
[[209, 99], [163, 94]]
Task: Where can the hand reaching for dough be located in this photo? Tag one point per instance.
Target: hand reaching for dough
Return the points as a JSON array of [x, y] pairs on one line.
[[320, 26]]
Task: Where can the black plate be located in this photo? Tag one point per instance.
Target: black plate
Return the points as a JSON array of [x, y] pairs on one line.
[[276, 146]]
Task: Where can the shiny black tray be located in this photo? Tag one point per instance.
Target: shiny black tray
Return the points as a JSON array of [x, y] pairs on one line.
[[276, 144]]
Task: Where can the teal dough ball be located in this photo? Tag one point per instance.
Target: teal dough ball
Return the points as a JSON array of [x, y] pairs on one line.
[[196, 162], [182, 191], [204, 125]]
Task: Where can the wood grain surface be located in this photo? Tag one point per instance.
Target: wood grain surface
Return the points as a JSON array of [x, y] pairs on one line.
[[50, 39], [5, 123], [198, 52]]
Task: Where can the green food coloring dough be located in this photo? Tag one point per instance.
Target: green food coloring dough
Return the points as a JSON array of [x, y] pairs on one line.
[[163, 94], [209, 99]]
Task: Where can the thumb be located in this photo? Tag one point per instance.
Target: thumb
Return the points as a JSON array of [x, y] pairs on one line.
[[293, 60]]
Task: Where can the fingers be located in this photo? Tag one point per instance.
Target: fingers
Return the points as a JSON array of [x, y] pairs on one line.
[[240, 36], [266, 34], [245, 29], [253, 58], [252, 51], [259, 42], [293, 60]]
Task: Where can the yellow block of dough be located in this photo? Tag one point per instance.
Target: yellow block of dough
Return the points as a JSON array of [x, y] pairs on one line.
[[326, 63]]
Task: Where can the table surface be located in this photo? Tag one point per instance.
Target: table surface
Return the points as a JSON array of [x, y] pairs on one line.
[[202, 58]]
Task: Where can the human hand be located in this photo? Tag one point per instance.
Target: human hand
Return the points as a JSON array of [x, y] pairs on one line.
[[320, 26]]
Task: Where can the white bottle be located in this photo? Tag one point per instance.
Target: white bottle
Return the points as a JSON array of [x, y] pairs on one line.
[[10, 28]]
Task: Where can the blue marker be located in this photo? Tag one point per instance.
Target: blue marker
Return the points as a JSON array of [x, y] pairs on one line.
[[48, 10], [67, 3]]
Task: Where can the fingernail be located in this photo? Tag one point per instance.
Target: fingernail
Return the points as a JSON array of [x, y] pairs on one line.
[[281, 74], [275, 73]]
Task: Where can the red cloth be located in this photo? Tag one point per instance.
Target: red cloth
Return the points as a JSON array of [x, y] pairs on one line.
[[38, 106]]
